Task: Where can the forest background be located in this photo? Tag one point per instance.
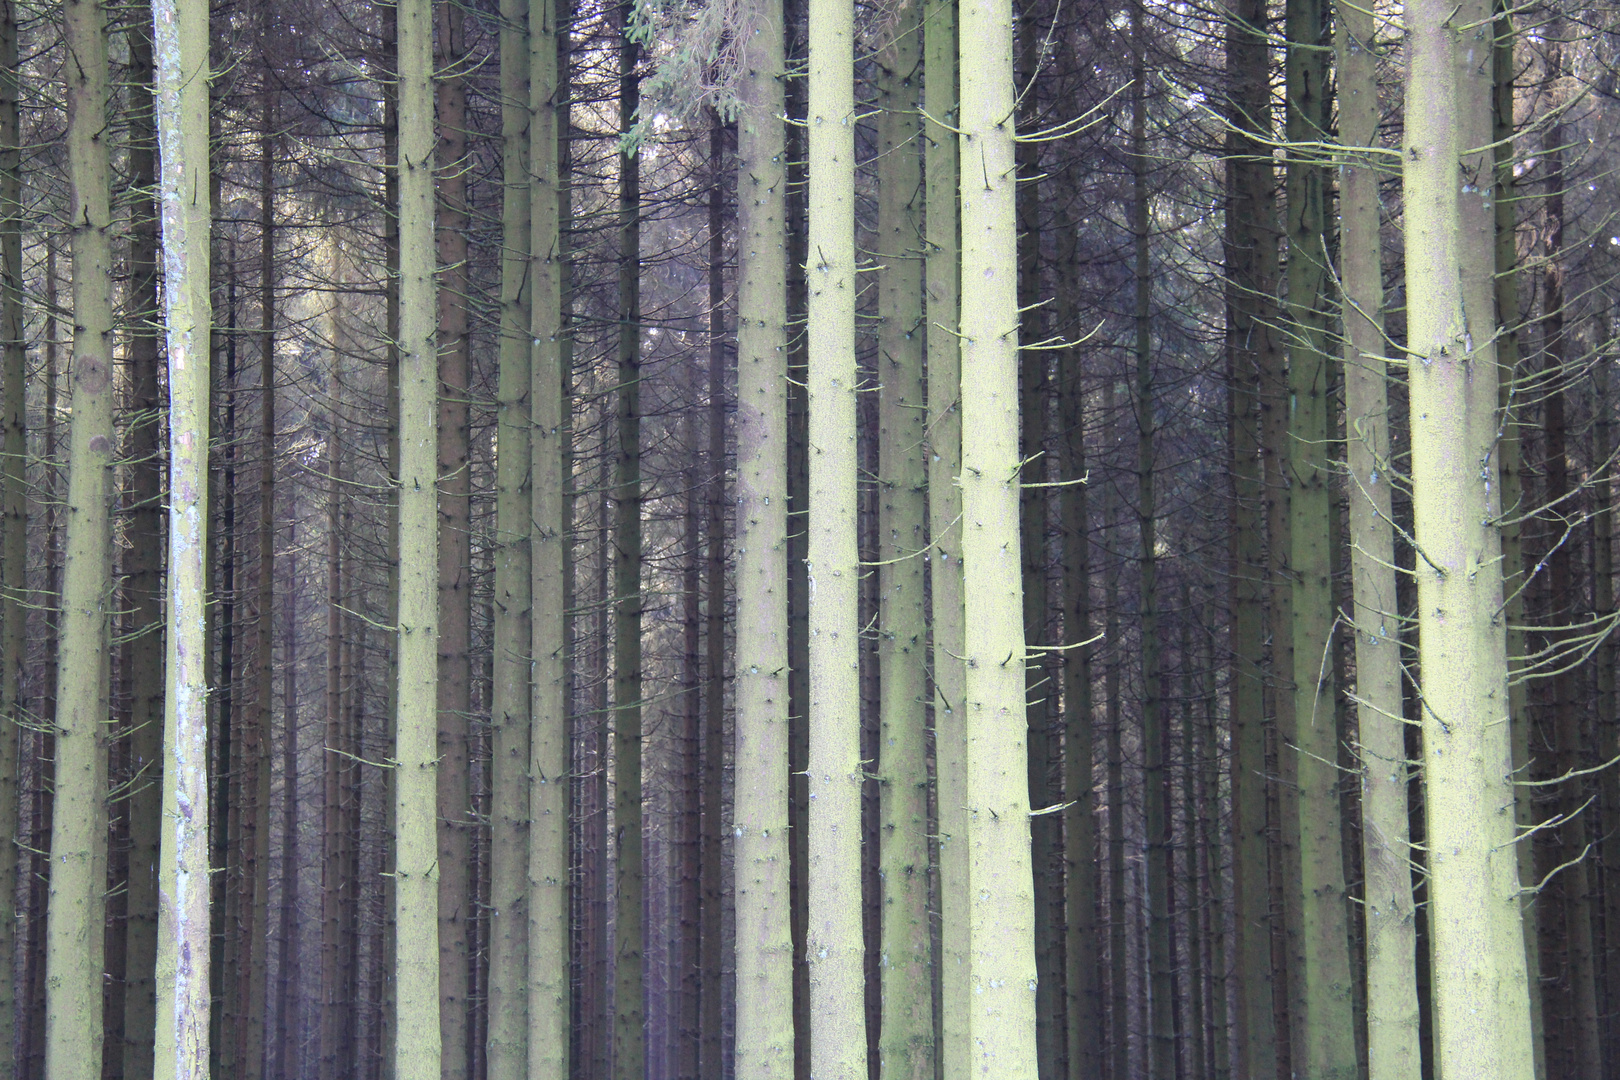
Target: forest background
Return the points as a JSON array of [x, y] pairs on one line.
[[773, 538]]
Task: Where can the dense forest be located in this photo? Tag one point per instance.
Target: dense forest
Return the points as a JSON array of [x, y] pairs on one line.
[[805, 540]]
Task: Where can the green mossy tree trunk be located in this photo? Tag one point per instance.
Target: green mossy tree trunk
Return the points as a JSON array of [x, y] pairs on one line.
[[73, 946], [906, 1036], [1391, 934], [416, 1033], [1481, 997], [506, 1043]]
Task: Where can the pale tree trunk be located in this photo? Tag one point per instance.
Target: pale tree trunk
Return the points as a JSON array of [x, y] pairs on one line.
[[1161, 1035], [416, 1034], [1323, 1016], [1391, 941], [181, 46], [629, 868], [13, 513], [764, 950], [1119, 1048], [944, 446], [289, 980], [508, 1007], [1001, 963], [1481, 1000], [455, 550], [330, 1038], [906, 1035], [74, 947], [1248, 343], [549, 1017], [834, 944]]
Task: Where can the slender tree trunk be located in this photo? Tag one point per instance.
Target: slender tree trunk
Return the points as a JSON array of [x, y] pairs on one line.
[[1573, 881], [1481, 1000], [144, 567], [183, 1022], [13, 517], [906, 1034], [834, 945], [944, 447], [1082, 980], [1119, 1048], [1001, 1025], [1504, 203], [1250, 313], [73, 1043], [1210, 766], [629, 931], [510, 820], [1191, 1037], [332, 825], [1603, 605], [1161, 956], [455, 548], [417, 959], [710, 1029], [1391, 941], [550, 737], [764, 950], [289, 938]]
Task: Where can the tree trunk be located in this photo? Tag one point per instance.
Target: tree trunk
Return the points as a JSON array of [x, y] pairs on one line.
[[906, 1034], [332, 824], [510, 821], [764, 951], [944, 447], [1119, 1048], [629, 931], [289, 936], [1251, 279], [1481, 1000], [1391, 941], [13, 515], [182, 958], [417, 959], [73, 1041], [834, 945], [550, 738], [1002, 969]]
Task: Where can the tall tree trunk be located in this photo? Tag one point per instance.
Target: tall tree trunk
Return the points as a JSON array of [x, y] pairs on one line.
[[455, 549], [1250, 319], [1034, 392], [180, 36], [1155, 803], [1481, 1000], [1119, 1048], [1391, 937], [1323, 1011], [13, 515], [1572, 882], [73, 1043], [417, 1048], [289, 936], [764, 949], [549, 734], [1505, 203], [943, 284], [906, 1034], [1001, 1025], [1082, 979], [629, 931], [510, 784], [710, 1028], [332, 825], [143, 654], [834, 933]]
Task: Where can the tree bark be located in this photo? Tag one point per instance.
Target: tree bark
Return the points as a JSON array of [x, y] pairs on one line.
[[1481, 999], [74, 950], [1002, 969]]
